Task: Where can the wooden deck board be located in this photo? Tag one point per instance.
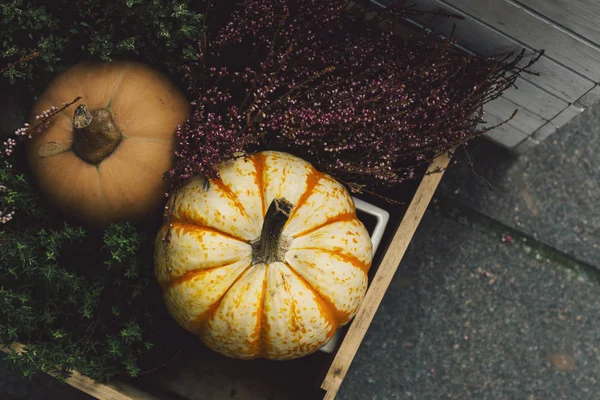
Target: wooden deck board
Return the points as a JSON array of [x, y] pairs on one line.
[[577, 16], [523, 120], [482, 39], [529, 29], [535, 100]]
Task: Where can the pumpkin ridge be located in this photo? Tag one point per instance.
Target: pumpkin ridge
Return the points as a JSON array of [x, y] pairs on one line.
[[101, 190], [203, 318], [312, 180], [259, 165], [294, 320], [349, 258], [146, 167], [118, 84], [348, 216], [199, 322], [206, 228], [110, 174], [262, 325], [171, 283], [334, 316], [232, 196]]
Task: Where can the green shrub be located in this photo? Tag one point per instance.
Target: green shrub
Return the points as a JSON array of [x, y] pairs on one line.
[[79, 298], [163, 32]]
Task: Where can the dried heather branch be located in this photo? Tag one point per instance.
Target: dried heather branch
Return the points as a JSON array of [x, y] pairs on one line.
[[5, 215], [8, 146], [315, 79], [27, 131], [23, 60]]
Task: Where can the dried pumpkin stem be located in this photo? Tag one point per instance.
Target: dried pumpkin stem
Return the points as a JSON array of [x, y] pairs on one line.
[[96, 135], [272, 245]]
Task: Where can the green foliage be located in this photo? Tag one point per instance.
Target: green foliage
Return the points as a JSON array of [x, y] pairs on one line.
[[18, 193], [79, 298], [164, 32]]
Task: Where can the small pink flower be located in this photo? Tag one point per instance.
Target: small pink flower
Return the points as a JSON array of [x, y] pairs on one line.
[[506, 238]]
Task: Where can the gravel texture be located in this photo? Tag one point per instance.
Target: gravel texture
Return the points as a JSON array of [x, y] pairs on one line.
[[551, 192], [474, 314]]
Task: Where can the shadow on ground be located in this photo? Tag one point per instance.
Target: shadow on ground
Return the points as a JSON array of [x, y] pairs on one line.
[[552, 192]]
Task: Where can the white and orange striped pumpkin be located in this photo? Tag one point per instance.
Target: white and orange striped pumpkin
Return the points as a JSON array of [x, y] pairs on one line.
[[266, 261]]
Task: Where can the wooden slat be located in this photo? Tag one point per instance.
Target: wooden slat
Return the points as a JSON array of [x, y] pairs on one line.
[[523, 120], [383, 277], [590, 98], [535, 100], [526, 145], [514, 21], [578, 16], [552, 126], [112, 391], [484, 40], [505, 134], [587, 100]]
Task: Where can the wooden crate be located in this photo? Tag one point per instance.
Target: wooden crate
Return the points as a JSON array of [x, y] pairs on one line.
[[201, 374]]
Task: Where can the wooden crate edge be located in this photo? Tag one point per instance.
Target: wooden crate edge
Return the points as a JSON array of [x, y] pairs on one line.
[[102, 391], [383, 277]]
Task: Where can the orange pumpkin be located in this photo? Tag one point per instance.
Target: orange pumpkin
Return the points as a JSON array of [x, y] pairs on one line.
[[103, 160]]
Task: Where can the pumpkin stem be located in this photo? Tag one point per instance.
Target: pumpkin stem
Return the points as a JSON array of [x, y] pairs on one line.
[[96, 135], [271, 246]]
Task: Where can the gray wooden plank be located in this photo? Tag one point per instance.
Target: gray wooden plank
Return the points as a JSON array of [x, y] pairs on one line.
[[527, 28], [534, 99], [558, 80], [507, 136], [578, 16], [484, 40], [561, 119], [523, 120], [590, 98], [526, 145]]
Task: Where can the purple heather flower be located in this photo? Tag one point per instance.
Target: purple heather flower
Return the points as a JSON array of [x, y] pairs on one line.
[[316, 79]]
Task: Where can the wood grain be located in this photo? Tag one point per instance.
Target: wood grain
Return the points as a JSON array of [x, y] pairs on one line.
[[578, 16], [526, 145], [488, 41], [535, 100], [523, 120], [590, 98], [561, 119], [383, 276], [506, 134], [516, 22]]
